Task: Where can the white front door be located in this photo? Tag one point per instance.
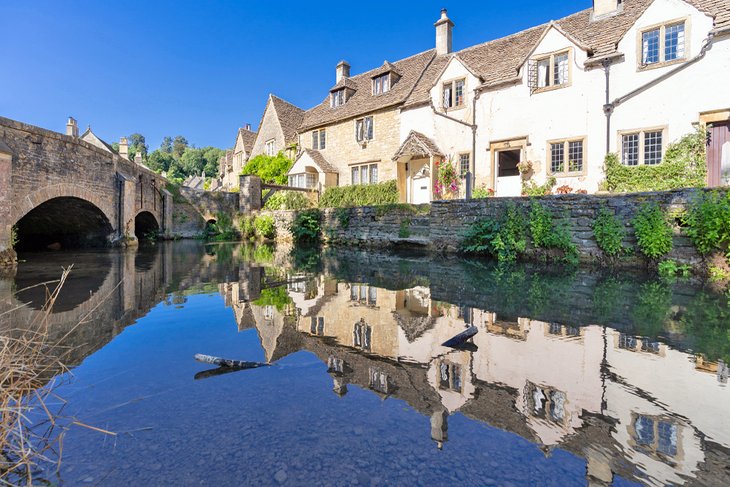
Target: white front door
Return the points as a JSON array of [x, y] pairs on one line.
[[508, 181], [420, 183]]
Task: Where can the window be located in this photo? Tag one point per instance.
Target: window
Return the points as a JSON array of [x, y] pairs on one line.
[[303, 180], [364, 129], [270, 147], [551, 71], [381, 84], [642, 147], [663, 43], [364, 174], [464, 166], [319, 139], [337, 98], [566, 156], [453, 93]]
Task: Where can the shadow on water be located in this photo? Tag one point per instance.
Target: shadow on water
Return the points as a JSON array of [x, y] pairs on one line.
[[585, 376]]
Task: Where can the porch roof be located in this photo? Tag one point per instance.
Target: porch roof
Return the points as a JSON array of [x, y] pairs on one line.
[[417, 145], [309, 157]]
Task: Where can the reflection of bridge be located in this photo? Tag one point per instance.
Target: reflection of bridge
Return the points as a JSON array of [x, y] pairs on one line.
[[60, 189]]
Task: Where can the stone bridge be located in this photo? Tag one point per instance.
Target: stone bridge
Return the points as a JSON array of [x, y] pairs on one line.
[[59, 190]]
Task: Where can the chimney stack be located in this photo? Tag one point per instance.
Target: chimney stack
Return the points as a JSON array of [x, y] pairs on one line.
[[603, 8], [343, 70], [444, 28], [138, 158], [72, 128], [124, 148]]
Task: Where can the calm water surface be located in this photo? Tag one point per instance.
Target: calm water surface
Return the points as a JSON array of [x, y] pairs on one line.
[[574, 377]]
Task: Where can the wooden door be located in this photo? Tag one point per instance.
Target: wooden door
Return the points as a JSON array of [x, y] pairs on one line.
[[718, 155]]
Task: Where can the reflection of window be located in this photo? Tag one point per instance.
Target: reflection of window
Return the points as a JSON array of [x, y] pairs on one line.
[[362, 335], [655, 434], [269, 313], [545, 403], [627, 342], [450, 376], [378, 380], [364, 294], [335, 364], [316, 326]]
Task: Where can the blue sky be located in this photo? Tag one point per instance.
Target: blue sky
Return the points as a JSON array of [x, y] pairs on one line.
[[202, 68]]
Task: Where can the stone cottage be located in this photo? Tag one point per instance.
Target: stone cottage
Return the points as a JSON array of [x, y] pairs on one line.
[[278, 129], [232, 163]]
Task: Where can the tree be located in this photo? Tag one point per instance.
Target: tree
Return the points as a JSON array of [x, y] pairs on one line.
[[179, 144], [160, 161], [166, 145], [271, 169]]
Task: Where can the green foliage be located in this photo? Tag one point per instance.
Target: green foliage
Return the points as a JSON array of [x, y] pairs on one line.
[[548, 234], [382, 210], [405, 231], [530, 188], [670, 269], [222, 229], [718, 273], [265, 227], [271, 169], [137, 144], [653, 232], [248, 227], [360, 195], [306, 227], [609, 232], [684, 166], [276, 297], [343, 217], [504, 239], [288, 200], [708, 223], [13, 236], [482, 192]]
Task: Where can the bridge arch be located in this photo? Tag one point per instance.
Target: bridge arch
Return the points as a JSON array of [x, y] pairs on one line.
[[146, 226], [64, 216]]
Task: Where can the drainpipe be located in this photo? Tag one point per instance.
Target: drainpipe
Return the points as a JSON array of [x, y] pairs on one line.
[[608, 108], [473, 126]]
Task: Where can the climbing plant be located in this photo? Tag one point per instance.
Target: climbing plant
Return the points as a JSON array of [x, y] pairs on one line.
[[653, 232]]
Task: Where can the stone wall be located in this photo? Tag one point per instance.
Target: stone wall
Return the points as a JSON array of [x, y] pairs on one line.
[[193, 208], [440, 227]]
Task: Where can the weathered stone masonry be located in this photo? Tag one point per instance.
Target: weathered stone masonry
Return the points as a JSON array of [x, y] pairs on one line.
[[441, 227]]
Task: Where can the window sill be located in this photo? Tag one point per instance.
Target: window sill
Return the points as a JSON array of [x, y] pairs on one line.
[[453, 109], [648, 67], [575, 174], [551, 88]]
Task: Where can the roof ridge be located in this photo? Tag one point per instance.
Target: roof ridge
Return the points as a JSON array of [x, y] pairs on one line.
[[394, 63]]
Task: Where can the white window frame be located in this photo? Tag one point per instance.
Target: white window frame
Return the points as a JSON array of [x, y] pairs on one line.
[[319, 139], [462, 156], [450, 101], [381, 84], [550, 58], [566, 160], [269, 148], [662, 28], [642, 137], [364, 169], [305, 180], [338, 98], [364, 129]]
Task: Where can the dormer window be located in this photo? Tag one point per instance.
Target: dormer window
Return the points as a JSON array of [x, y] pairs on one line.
[[663, 44], [381, 84], [337, 98], [453, 93], [553, 71]]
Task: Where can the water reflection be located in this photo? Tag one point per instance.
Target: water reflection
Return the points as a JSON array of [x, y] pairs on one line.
[[629, 375]]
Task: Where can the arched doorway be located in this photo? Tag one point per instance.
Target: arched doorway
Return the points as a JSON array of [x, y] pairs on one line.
[[63, 223], [146, 228]]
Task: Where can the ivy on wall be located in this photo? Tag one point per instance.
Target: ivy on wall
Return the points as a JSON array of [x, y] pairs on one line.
[[360, 195], [684, 166]]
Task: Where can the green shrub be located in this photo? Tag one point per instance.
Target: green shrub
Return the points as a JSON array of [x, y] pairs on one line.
[[265, 227], [405, 231], [609, 232], [276, 297], [306, 227], [482, 192], [247, 226], [288, 200], [504, 239], [271, 169], [684, 166], [670, 269], [718, 273], [222, 229], [360, 195], [653, 232], [548, 234], [530, 188], [343, 217], [708, 223]]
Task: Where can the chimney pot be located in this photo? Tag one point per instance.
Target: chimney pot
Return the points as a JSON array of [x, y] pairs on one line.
[[72, 128], [343, 70], [444, 32]]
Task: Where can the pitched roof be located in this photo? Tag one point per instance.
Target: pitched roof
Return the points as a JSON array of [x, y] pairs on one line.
[[498, 61], [417, 144], [319, 159], [290, 118], [94, 139], [363, 101], [249, 137]]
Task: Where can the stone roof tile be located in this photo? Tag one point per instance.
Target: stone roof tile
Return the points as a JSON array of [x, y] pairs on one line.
[[290, 118]]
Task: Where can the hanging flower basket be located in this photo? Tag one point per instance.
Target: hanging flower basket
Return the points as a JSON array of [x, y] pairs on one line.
[[525, 167]]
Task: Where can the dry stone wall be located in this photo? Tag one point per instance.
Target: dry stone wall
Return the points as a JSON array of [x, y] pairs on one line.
[[441, 226]]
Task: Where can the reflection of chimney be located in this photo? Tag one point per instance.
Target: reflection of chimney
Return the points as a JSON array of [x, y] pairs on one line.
[[440, 427], [444, 28], [339, 386], [72, 128], [343, 70], [124, 148]]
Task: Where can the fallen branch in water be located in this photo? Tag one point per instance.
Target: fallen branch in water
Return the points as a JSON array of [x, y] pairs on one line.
[[222, 362]]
